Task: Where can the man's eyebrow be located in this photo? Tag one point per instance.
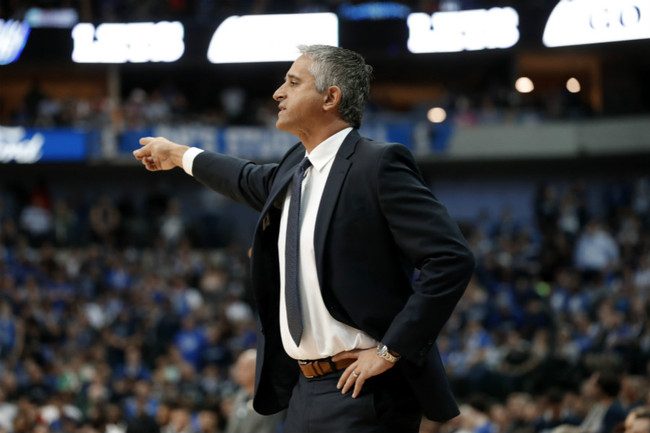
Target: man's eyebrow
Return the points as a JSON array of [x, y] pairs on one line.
[[292, 76]]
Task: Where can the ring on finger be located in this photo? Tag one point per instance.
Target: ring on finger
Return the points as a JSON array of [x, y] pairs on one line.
[[355, 374]]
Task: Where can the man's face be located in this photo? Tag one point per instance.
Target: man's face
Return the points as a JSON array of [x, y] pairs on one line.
[[301, 106]]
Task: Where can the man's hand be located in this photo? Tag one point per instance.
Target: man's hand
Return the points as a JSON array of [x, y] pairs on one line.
[[158, 153], [367, 365]]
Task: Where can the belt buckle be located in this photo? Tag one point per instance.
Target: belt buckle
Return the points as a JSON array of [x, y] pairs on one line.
[[302, 362]]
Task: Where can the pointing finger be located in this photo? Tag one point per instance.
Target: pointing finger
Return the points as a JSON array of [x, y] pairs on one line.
[[141, 152]]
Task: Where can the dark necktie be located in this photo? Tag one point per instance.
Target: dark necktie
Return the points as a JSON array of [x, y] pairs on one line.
[[292, 255]]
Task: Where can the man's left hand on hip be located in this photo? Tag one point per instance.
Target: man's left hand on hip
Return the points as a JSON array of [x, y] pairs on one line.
[[367, 365]]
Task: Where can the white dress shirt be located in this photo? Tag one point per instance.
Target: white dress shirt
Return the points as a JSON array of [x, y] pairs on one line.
[[322, 335]]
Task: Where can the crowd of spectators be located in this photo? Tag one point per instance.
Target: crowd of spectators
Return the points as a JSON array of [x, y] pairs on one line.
[[234, 105], [164, 105], [100, 333]]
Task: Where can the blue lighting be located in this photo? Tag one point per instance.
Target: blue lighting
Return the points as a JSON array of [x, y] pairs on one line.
[[374, 11]]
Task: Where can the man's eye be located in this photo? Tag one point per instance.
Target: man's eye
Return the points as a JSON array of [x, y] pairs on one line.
[[293, 83]]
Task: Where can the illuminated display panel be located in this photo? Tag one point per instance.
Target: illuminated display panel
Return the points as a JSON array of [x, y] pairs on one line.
[[270, 38], [130, 42], [468, 30], [581, 22], [13, 37]]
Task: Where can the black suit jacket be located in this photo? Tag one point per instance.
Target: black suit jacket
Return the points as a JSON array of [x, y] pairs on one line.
[[377, 223]]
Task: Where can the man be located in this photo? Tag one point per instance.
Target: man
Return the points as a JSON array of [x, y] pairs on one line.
[[607, 411], [242, 418], [358, 320]]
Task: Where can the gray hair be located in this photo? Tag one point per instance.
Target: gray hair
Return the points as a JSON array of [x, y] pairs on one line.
[[345, 69]]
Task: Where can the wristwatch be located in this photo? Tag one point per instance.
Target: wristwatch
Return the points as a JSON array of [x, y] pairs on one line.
[[382, 350]]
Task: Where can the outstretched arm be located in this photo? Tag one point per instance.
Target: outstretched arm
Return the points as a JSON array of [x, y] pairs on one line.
[[158, 153], [240, 179]]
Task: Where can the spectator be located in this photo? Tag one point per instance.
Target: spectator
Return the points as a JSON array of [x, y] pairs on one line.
[[8, 412], [31, 100], [34, 383], [476, 414], [208, 421], [242, 418], [142, 422], [215, 351], [596, 250], [36, 220], [133, 368], [546, 208], [555, 413], [64, 222], [104, 221], [172, 225], [190, 341], [157, 110], [180, 421], [607, 411], [634, 390], [10, 333]]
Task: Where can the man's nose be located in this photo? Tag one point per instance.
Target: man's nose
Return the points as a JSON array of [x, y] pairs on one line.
[[278, 95]]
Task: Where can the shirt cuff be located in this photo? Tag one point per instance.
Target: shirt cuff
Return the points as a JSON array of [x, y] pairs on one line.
[[188, 159]]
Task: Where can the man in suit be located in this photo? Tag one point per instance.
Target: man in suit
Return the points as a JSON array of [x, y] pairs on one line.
[[352, 292]]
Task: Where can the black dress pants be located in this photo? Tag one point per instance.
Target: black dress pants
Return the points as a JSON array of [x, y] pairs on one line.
[[383, 406]]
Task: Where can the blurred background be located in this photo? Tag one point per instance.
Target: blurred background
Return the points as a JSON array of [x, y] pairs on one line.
[[124, 298]]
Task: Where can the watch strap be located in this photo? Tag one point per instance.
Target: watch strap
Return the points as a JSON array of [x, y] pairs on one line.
[[384, 352]]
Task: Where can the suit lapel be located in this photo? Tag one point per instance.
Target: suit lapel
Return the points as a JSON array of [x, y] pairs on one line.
[[284, 177], [330, 197]]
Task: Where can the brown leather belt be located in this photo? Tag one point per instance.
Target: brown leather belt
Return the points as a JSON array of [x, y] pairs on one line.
[[321, 367]]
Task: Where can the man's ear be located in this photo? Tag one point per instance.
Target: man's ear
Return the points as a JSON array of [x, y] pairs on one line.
[[332, 98]]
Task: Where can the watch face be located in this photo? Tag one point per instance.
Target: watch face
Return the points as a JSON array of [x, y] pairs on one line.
[[382, 350]]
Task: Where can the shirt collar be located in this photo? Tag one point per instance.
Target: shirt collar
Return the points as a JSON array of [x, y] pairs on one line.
[[326, 150]]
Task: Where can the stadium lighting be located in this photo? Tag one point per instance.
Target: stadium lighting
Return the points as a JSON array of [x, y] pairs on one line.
[[437, 115], [373, 11], [270, 38], [63, 18], [573, 85], [524, 85]]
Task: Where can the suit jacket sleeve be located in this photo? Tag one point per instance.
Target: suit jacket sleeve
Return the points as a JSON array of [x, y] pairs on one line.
[[236, 178], [429, 238]]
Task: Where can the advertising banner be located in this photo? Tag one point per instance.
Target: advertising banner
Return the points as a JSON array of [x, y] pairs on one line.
[[29, 146], [251, 142]]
